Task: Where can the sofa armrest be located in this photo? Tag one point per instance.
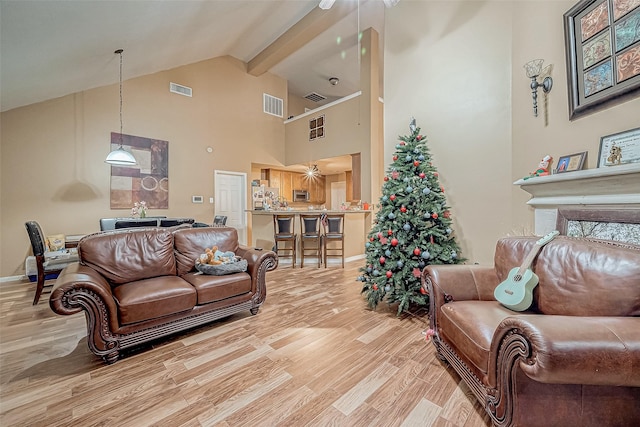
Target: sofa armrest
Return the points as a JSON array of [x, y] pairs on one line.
[[258, 263], [79, 287], [445, 283], [571, 349]]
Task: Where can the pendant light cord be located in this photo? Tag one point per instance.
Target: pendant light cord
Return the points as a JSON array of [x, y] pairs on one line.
[[119, 51]]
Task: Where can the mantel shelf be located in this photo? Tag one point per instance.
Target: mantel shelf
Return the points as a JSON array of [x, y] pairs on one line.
[[612, 186]]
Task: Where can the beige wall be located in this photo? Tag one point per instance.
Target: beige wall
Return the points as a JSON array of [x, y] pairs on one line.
[[457, 67], [296, 105], [53, 152]]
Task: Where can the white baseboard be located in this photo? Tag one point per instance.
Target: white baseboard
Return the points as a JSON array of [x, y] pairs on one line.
[[13, 278], [355, 258]]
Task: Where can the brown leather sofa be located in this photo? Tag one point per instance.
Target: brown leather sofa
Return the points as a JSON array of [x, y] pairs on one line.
[[137, 285], [572, 359]]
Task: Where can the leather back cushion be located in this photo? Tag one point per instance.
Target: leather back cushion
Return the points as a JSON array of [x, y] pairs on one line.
[[126, 256], [578, 277], [191, 242]]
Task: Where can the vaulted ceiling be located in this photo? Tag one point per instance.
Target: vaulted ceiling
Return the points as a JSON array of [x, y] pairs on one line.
[[52, 48]]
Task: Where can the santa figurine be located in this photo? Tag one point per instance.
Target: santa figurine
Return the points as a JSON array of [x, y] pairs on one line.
[[543, 167]]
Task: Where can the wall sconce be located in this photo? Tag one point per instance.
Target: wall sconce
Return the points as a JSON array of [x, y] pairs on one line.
[[533, 69]]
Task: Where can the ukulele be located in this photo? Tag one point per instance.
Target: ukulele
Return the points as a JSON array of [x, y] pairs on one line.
[[516, 292]]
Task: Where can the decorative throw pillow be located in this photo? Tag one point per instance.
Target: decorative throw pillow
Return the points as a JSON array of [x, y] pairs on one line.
[[55, 242]]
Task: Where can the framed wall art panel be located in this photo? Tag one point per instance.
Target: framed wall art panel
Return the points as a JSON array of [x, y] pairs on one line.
[[602, 44]]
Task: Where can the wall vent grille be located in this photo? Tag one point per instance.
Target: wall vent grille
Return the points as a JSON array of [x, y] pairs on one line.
[[315, 97], [272, 105], [180, 90]]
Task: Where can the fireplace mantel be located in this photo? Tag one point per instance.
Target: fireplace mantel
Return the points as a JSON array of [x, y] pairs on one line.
[[615, 187]]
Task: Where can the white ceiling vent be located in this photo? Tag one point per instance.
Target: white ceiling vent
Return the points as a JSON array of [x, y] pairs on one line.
[[272, 105], [180, 90], [315, 97]]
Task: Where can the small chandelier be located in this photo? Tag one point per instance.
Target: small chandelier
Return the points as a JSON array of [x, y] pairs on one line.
[[120, 156], [312, 172]]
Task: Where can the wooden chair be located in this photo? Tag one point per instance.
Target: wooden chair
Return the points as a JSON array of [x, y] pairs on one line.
[[285, 234], [333, 226], [47, 262], [310, 237], [220, 219]]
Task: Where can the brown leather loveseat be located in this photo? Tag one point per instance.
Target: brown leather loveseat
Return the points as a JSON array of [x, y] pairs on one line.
[[141, 284], [572, 359]]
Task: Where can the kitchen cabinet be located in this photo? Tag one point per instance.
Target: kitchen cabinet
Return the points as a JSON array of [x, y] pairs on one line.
[[275, 178], [286, 187], [299, 183], [316, 188], [287, 181]]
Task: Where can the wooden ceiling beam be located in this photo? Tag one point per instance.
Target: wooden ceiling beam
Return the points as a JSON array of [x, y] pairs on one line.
[[302, 32]]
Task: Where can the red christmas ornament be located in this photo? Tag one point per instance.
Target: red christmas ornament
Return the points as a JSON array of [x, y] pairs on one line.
[[371, 239], [447, 214], [389, 274], [422, 175], [375, 287], [390, 232], [402, 143], [386, 178], [431, 239], [436, 174], [395, 174], [395, 157], [416, 251], [403, 209], [434, 216], [392, 197], [382, 260], [394, 242], [442, 189], [423, 291], [379, 235], [419, 137], [416, 163], [417, 272], [384, 240]]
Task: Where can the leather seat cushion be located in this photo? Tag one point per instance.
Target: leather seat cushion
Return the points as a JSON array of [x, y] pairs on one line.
[[216, 288], [152, 298], [470, 325]]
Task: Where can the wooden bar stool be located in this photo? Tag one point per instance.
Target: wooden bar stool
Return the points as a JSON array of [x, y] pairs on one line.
[[310, 237], [333, 226], [284, 233]]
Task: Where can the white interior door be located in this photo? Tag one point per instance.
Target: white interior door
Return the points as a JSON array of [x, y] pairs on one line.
[[231, 200], [338, 194]]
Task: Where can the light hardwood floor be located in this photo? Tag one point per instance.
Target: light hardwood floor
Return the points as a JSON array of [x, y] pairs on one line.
[[314, 355]]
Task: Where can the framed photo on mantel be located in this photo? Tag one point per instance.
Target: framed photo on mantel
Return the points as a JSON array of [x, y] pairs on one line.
[[571, 162], [602, 45]]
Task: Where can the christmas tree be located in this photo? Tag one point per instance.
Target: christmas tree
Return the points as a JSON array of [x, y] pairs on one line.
[[412, 228]]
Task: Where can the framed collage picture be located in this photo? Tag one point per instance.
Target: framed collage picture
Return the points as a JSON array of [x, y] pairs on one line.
[[602, 44]]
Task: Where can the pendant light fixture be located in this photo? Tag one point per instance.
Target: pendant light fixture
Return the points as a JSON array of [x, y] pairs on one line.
[[120, 156], [312, 172]]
